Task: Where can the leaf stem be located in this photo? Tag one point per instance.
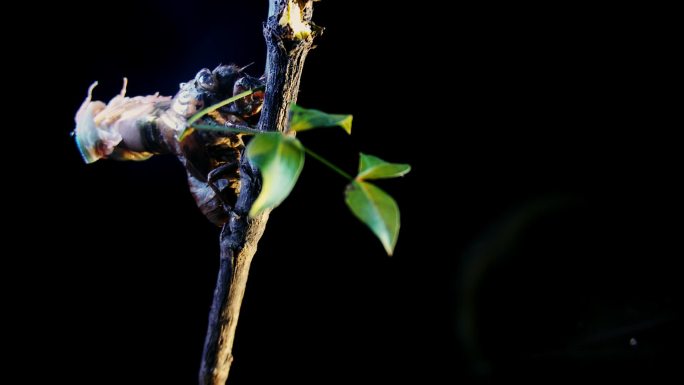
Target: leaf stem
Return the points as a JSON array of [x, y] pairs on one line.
[[327, 163]]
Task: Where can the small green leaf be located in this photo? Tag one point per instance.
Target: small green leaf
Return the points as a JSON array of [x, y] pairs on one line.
[[280, 159], [376, 209], [302, 119], [372, 167]]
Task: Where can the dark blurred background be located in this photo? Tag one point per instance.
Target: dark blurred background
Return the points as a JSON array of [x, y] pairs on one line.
[[540, 224]]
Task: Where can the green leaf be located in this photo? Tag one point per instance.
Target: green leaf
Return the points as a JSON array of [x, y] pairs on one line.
[[376, 209], [280, 159], [227, 129], [220, 104], [372, 167], [188, 130], [302, 119]]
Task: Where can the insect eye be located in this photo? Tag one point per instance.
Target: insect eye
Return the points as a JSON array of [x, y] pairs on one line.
[[205, 80]]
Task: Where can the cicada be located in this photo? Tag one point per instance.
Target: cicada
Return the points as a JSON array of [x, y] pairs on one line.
[[136, 128]]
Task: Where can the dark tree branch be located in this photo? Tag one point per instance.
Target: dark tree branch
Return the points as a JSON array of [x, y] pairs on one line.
[[285, 58], [286, 52]]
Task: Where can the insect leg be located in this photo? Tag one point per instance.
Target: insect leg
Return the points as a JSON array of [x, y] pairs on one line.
[[226, 171]]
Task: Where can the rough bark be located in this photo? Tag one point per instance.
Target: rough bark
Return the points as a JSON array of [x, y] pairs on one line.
[[285, 58]]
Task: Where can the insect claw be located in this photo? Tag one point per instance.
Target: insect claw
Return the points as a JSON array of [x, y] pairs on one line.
[[245, 67]]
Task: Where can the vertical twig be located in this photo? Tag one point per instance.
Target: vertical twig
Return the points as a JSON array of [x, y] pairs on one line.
[[285, 56]]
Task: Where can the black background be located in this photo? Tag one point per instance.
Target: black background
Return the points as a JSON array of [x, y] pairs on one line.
[[539, 223]]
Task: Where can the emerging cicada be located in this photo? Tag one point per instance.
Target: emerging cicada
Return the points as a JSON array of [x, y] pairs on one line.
[[135, 128]]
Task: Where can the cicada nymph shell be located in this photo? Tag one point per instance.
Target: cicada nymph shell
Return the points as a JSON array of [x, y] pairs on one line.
[[136, 128], [101, 128]]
